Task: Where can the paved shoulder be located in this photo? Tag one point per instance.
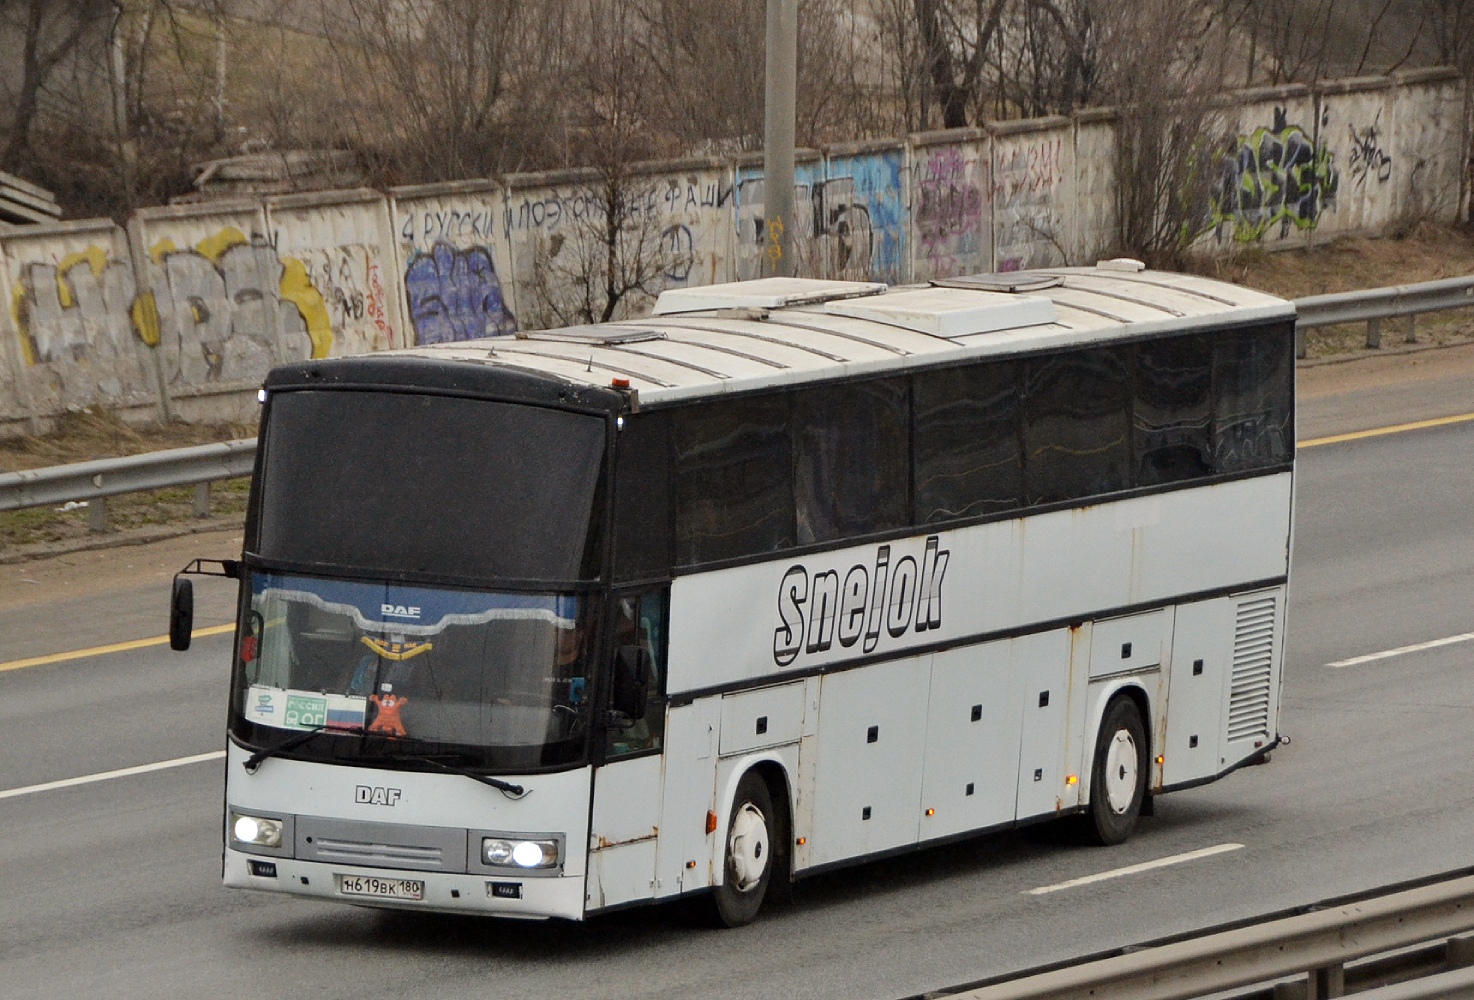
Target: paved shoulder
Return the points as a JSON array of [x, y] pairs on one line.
[[1378, 391], [106, 596]]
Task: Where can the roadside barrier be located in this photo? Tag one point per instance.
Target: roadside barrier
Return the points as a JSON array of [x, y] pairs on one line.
[[1397, 944]]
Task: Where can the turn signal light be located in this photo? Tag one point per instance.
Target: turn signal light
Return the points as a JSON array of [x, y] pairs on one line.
[[1072, 779], [711, 822]]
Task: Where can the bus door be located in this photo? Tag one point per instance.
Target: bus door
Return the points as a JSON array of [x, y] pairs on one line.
[[627, 785]]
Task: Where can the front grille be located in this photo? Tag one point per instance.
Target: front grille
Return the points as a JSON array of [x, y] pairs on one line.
[[381, 845], [380, 855], [1251, 686]]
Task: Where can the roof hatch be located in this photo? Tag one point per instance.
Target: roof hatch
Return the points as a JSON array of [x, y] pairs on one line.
[[594, 336], [943, 313], [764, 293]]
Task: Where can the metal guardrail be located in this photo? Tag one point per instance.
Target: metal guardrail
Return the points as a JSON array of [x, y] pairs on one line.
[[93, 482], [1313, 948], [1372, 305]]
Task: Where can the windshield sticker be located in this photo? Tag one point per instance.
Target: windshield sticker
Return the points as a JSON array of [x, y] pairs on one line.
[[306, 712]]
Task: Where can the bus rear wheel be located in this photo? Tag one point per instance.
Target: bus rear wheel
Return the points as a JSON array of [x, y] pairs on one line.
[[1118, 777], [748, 853]]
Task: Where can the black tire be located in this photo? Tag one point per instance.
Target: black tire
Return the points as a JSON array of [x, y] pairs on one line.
[[1116, 794], [748, 853]]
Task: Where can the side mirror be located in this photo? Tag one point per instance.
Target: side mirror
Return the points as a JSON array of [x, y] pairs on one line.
[[632, 669], [181, 614]]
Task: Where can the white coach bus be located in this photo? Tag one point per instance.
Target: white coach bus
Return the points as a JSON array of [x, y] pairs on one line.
[[790, 575]]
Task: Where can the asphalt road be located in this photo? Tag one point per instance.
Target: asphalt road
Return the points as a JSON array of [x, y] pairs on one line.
[[112, 888]]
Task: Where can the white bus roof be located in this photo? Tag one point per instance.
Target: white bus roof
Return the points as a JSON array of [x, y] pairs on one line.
[[742, 336]]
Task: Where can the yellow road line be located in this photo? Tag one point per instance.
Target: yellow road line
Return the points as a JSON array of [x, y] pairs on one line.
[[117, 647], [1416, 425]]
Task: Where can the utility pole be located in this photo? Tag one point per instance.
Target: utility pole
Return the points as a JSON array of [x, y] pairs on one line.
[[778, 129]]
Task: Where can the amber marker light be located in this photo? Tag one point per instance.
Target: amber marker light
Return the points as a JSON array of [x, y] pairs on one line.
[[1072, 779], [711, 822], [690, 864], [802, 841], [1161, 759], [619, 383], [931, 812]]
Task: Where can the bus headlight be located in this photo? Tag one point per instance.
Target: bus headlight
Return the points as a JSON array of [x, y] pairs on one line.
[[504, 852], [256, 830]]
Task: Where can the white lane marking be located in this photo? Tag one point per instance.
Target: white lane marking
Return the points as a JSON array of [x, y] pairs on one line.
[[1175, 859], [1400, 650], [122, 772]]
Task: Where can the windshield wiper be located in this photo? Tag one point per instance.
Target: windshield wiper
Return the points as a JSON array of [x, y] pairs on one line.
[[507, 788], [254, 761]]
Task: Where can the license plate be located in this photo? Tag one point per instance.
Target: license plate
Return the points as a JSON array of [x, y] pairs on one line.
[[380, 888]]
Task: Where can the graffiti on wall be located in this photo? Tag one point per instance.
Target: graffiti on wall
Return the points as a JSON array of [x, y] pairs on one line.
[[451, 286], [1276, 177], [1368, 158], [455, 294], [949, 214], [227, 309], [849, 225], [230, 307], [1028, 221], [549, 210], [576, 255]]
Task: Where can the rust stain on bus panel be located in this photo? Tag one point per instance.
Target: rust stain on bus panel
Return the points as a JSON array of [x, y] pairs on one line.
[[605, 842]]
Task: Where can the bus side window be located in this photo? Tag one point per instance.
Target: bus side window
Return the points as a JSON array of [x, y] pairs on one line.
[[1171, 410], [642, 498], [850, 461], [641, 619], [967, 453], [1253, 386], [734, 479], [1077, 418]]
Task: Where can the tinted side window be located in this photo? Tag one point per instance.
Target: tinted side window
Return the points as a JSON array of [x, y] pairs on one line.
[[1172, 410], [968, 457], [734, 479], [642, 498], [850, 459], [642, 619], [1253, 387], [1076, 425]]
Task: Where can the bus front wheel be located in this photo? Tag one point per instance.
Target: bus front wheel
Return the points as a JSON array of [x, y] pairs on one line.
[[1118, 777], [748, 852]]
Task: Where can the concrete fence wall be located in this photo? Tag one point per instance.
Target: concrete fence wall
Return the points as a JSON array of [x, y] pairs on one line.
[[237, 287]]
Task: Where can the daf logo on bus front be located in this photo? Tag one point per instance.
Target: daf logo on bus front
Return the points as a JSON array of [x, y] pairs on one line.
[[399, 611], [817, 609], [373, 795]]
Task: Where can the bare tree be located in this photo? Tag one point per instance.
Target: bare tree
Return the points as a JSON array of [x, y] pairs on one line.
[[49, 33], [955, 38], [439, 96], [689, 50], [612, 250], [1171, 132]]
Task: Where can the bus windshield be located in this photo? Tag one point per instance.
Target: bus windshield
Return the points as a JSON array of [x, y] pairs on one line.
[[473, 679], [418, 486]]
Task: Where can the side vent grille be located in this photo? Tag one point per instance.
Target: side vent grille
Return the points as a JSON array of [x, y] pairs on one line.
[[1253, 656]]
